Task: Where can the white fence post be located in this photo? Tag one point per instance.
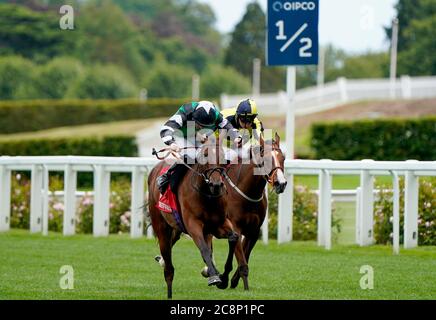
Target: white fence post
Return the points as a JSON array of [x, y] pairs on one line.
[[137, 216], [101, 201], [36, 199], [224, 101], [285, 214], [406, 87], [5, 198], [358, 215], [70, 186], [45, 193], [367, 208], [396, 213], [265, 222], [411, 210], [324, 209], [342, 84]]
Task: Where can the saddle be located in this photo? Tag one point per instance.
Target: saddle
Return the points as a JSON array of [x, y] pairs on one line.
[[169, 207]]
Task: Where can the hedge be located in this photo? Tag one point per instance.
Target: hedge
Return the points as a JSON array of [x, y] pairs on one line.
[[376, 139], [25, 116], [114, 146]]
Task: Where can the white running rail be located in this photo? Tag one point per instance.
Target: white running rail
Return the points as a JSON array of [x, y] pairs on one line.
[[102, 167], [339, 92]]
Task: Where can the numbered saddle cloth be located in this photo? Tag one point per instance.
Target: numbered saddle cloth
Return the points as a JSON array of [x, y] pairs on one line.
[[169, 207]]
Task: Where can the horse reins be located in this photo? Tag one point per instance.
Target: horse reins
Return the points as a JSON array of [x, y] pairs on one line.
[[205, 174], [241, 193]]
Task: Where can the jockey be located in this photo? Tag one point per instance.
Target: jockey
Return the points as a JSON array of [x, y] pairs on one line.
[[244, 117], [206, 117]]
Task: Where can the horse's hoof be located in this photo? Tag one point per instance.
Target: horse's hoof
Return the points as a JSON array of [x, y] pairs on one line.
[[204, 272], [213, 281], [224, 283], [234, 284]]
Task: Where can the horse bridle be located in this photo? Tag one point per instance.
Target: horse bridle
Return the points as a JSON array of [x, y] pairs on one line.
[[274, 152], [267, 177], [206, 174]]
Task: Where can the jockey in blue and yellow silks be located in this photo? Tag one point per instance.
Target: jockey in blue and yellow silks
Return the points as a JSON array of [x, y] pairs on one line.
[[245, 117]]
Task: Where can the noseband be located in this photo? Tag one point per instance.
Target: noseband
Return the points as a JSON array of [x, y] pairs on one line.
[[276, 163], [206, 174]]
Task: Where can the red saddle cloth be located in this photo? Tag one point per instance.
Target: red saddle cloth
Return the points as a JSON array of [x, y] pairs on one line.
[[168, 203]]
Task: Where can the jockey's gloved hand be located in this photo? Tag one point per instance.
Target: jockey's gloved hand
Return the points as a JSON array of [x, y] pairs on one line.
[[174, 147], [202, 137], [238, 141]]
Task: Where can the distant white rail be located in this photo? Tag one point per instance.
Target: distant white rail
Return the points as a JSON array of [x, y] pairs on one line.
[[102, 167], [339, 92]]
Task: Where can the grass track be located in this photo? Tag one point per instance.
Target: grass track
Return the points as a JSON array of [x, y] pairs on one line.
[[117, 267]]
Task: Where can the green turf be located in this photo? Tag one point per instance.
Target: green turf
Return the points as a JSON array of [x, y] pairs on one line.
[[117, 267], [346, 211], [339, 182]]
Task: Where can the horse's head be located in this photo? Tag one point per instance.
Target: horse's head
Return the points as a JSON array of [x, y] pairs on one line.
[[212, 159], [273, 163]]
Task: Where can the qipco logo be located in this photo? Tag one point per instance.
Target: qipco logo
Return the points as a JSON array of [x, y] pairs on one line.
[[293, 6]]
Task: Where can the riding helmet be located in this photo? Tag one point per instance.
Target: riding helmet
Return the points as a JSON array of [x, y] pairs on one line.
[[247, 109], [205, 114]]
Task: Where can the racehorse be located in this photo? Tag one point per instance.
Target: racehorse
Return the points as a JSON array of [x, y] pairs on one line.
[[200, 195], [246, 202]]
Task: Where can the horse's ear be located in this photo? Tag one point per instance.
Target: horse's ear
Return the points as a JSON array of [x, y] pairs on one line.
[[277, 139]]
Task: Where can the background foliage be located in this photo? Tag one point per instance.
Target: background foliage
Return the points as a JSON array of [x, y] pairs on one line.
[[155, 43], [44, 114], [376, 139], [383, 207]]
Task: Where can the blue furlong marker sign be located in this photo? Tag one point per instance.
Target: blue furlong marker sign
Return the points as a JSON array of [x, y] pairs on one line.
[[292, 32]]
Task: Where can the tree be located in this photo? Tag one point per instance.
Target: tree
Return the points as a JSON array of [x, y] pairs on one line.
[[339, 64], [420, 59], [109, 37], [16, 74], [415, 36], [217, 80], [104, 82], [247, 43], [54, 78], [166, 80], [177, 52], [34, 35], [248, 40]]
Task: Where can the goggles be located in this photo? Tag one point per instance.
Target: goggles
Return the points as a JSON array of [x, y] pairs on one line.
[[247, 118]]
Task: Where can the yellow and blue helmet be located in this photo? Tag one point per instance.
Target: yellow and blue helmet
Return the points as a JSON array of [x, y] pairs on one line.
[[246, 110]]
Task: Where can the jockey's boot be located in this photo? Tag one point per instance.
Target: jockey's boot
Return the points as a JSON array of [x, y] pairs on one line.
[[163, 180]]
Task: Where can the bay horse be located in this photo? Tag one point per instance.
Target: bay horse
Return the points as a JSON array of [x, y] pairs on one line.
[[200, 196], [246, 202]]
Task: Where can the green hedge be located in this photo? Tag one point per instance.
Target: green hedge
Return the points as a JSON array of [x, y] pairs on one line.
[[24, 116], [114, 146], [376, 139]]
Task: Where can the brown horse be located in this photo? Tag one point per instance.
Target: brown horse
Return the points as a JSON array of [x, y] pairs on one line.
[[246, 202], [202, 209]]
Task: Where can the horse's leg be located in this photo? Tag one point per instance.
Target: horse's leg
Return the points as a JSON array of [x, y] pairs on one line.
[[247, 245], [165, 235], [204, 271], [242, 270], [195, 228], [174, 238], [227, 231]]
